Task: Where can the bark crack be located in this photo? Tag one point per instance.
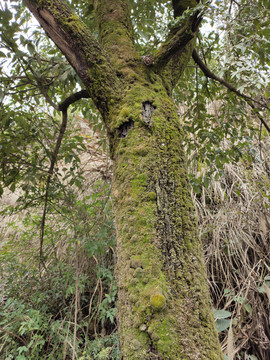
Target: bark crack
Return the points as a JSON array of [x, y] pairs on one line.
[[147, 111], [153, 352]]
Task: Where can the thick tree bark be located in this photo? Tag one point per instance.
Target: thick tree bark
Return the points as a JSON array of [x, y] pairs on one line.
[[164, 310], [81, 49]]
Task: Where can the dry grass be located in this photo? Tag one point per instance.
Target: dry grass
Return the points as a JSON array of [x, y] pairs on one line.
[[234, 219]]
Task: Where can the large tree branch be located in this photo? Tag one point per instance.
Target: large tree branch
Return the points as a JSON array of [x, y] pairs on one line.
[[80, 47], [179, 6], [177, 41], [116, 31], [173, 55], [208, 73]]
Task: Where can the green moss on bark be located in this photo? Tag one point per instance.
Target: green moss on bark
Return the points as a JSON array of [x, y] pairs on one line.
[[116, 35], [163, 294], [157, 302], [81, 49]]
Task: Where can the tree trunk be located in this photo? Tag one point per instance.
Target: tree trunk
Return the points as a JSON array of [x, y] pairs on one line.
[[164, 311]]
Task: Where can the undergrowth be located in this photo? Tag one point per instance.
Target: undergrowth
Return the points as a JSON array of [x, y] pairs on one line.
[[58, 291], [63, 305], [66, 304]]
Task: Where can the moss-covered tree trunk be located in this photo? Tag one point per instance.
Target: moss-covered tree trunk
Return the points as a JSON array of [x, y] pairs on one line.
[[164, 310]]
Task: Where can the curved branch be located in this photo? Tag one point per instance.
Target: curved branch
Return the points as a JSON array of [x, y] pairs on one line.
[[83, 94], [81, 49], [208, 73], [15, 335], [63, 108]]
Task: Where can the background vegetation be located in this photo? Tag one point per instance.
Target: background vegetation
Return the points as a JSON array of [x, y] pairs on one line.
[[57, 290]]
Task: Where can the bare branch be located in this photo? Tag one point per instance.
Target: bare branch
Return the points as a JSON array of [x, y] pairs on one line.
[[72, 99], [63, 108], [207, 72], [48, 181]]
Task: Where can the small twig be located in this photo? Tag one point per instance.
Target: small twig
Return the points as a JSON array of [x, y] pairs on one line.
[[230, 8], [100, 296], [259, 115], [76, 300], [39, 83], [229, 86], [202, 49], [260, 141], [53, 161], [90, 310], [15, 335], [63, 108]]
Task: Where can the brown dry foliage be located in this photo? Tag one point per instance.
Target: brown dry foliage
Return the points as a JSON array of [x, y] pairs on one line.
[[234, 223]]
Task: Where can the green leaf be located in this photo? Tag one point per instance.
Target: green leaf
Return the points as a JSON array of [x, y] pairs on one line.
[[222, 325], [222, 314], [22, 349], [31, 48], [13, 187], [265, 32], [248, 308]]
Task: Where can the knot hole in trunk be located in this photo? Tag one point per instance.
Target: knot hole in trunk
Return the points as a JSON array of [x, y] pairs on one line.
[[124, 128], [147, 111]]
